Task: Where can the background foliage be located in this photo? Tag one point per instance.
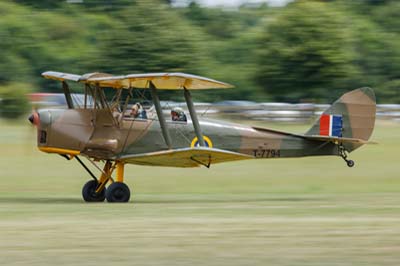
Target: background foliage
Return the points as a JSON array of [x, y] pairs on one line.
[[305, 51]]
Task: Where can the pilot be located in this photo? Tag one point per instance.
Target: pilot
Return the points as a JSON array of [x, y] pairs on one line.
[[116, 113], [137, 111], [177, 114]]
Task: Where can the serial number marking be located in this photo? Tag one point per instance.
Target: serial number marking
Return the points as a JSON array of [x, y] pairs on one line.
[[266, 153]]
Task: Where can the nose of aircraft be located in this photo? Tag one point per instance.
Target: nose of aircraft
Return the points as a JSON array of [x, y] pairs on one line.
[[34, 118], [31, 119]]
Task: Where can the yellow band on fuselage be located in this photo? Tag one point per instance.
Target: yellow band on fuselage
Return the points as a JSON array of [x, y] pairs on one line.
[[59, 150], [207, 141]]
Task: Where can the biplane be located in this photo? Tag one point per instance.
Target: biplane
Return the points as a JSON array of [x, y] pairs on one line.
[[111, 132]]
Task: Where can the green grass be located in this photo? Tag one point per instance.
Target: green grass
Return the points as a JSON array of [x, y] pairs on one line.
[[309, 211]]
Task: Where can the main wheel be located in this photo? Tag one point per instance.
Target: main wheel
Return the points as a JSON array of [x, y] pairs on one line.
[[350, 163], [89, 192], [118, 192]]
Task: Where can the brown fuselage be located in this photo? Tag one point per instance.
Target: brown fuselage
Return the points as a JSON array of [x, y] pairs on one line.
[[96, 133]]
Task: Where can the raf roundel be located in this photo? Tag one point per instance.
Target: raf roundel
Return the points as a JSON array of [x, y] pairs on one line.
[[207, 141]]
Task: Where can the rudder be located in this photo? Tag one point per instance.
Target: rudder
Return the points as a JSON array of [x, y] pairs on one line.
[[351, 116]]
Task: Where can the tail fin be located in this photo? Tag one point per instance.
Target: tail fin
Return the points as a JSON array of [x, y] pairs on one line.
[[352, 116]]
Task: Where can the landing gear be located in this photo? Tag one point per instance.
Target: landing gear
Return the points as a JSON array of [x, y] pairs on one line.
[[343, 154], [350, 163], [118, 192], [89, 193], [95, 190]]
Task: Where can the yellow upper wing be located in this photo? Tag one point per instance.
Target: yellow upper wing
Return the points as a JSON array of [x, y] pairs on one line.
[[188, 157], [163, 81]]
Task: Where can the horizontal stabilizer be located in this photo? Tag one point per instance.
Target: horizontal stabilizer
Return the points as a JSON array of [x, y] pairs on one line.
[[338, 140], [188, 157]]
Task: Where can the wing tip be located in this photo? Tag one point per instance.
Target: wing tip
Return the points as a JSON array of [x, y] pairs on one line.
[[201, 83]]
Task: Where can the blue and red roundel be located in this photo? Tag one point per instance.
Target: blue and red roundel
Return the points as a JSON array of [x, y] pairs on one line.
[[331, 125]]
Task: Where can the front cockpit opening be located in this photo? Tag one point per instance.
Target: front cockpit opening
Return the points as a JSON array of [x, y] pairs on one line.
[[120, 104]]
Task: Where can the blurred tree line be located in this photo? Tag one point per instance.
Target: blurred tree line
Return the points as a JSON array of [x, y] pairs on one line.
[[305, 51]]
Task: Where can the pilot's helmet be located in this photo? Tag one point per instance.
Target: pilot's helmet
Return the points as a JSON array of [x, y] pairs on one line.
[[177, 112]]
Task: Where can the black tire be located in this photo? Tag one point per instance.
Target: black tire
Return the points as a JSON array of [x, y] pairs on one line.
[[89, 192], [350, 163], [118, 192]]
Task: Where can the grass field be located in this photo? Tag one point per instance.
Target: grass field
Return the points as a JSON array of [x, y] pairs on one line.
[[310, 211]]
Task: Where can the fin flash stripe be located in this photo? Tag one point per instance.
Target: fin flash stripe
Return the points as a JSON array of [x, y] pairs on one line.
[[330, 125]]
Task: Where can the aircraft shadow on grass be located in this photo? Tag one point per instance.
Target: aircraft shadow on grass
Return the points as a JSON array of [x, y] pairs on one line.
[[69, 200], [39, 200]]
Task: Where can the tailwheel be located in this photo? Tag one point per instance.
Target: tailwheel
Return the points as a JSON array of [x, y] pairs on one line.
[[350, 163], [343, 154], [118, 192], [89, 193]]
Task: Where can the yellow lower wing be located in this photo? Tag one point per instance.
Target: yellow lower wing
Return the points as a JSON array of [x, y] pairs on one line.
[[188, 157]]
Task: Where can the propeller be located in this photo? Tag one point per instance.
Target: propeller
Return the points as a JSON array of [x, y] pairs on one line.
[[34, 119]]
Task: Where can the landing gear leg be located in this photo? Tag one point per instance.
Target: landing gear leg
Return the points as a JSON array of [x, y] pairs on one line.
[[95, 190], [343, 154], [118, 191]]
